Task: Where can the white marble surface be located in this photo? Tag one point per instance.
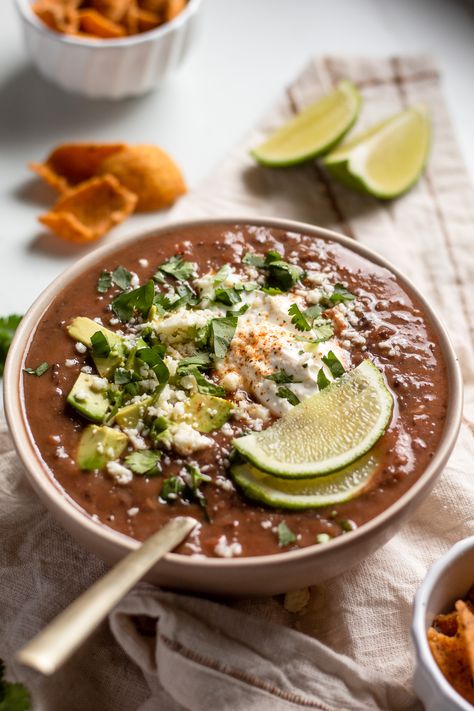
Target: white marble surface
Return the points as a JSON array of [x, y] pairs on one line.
[[247, 51]]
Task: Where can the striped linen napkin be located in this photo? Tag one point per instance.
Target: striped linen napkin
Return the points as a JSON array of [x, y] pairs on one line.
[[340, 645]]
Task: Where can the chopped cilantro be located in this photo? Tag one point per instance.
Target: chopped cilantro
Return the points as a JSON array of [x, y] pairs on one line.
[[122, 376], [323, 331], [172, 488], [285, 535], [229, 297], [177, 267], [334, 364], [289, 395], [281, 377], [187, 487], [199, 360], [122, 278], [39, 370], [13, 697], [159, 425], [100, 345], [341, 295], [185, 296], [222, 274], [145, 461], [254, 260], [272, 256], [322, 379], [283, 275], [141, 300], [104, 281], [206, 386], [313, 312], [153, 358], [297, 318], [271, 290], [221, 333], [8, 326]]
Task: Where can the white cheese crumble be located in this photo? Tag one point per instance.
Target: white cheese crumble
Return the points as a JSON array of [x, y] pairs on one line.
[[81, 348], [71, 362], [143, 262], [223, 549], [133, 511], [120, 473], [186, 440]]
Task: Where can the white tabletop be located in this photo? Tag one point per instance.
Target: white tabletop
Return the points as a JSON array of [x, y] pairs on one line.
[[246, 53]]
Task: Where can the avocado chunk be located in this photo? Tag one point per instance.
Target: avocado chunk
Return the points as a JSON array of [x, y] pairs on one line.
[[129, 416], [207, 412], [87, 399], [82, 329], [99, 445]]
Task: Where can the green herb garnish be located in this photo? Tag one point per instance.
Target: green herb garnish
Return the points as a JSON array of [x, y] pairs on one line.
[[176, 267], [272, 290], [229, 297], [125, 305], [206, 386], [341, 295], [323, 332], [13, 697], [39, 370], [8, 326], [313, 312], [254, 260], [281, 377], [146, 462], [153, 357], [285, 535], [221, 333], [323, 538], [100, 345], [199, 360], [122, 278], [172, 488], [334, 364], [104, 282], [297, 318], [322, 379], [289, 395], [281, 274]]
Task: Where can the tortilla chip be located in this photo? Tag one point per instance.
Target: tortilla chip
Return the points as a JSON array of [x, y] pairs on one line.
[[90, 210], [451, 657], [72, 163], [157, 6], [173, 8], [147, 20], [447, 624], [130, 20], [93, 23], [149, 173], [466, 631], [58, 16], [111, 9]]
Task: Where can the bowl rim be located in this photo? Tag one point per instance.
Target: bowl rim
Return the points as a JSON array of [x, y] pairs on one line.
[[42, 479], [418, 626], [25, 10]]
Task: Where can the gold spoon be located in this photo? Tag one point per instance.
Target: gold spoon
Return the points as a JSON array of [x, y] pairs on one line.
[[53, 646]]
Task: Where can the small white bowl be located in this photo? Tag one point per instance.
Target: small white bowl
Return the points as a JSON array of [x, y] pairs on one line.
[[109, 68], [447, 581]]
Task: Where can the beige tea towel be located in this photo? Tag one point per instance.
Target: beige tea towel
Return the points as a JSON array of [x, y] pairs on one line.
[[354, 651]]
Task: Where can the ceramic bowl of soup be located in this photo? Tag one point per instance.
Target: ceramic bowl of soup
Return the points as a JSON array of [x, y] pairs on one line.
[[147, 380]]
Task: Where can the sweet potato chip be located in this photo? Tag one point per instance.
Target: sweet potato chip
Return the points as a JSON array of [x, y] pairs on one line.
[[148, 172], [90, 210], [173, 8], [93, 23], [72, 163], [451, 657], [111, 9], [466, 631]]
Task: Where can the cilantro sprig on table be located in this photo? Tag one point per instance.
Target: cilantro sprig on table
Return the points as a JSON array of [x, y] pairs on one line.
[[13, 697], [8, 326]]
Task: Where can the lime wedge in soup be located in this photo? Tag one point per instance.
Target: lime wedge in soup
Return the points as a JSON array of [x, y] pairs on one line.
[[388, 159], [311, 493], [326, 432], [314, 131]]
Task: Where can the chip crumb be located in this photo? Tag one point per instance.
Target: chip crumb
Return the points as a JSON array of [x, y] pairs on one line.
[[296, 600]]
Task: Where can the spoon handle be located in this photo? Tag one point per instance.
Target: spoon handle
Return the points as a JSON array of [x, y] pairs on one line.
[[59, 640]]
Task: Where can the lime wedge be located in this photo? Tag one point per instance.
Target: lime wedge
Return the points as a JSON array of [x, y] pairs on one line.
[[305, 493], [388, 159], [314, 131], [327, 431]]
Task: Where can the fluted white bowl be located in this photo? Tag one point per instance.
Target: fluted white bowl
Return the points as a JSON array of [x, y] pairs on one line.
[[448, 580], [109, 68]]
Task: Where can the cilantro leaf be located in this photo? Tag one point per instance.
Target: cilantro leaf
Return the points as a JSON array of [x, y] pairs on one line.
[[13, 697], [100, 345], [221, 333], [285, 535], [298, 320], [313, 312], [341, 295], [229, 297], [8, 326], [124, 305], [145, 461], [153, 358], [122, 278], [39, 370], [254, 260], [283, 275], [104, 281], [271, 290], [178, 268], [289, 395], [281, 377], [334, 364], [222, 273], [192, 491], [322, 379], [199, 360], [172, 488], [185, 296], [323, 331], [122, 376], [205, 386], [272, 256]]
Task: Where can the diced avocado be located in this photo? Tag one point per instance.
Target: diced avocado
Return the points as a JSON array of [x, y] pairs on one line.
[[87, 399], [129, 415], [207, 412], [130, 364], [83, 328], [99, 445]]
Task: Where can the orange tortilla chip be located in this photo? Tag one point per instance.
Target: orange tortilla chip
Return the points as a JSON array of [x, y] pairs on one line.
[[93, 23], [113, 10], [87, 212], [58, 16], [148, 172], [173, 8], [147, 20], [72, 163], [451, 657], [447, 624], [466, 631], [130, 20], [157, 6]]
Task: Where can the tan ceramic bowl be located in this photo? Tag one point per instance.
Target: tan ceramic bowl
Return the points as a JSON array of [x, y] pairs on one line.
[[261, 575]]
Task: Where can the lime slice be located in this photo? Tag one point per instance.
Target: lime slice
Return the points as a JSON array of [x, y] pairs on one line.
[[314, 131], [388, 159], [305, 493], [327, 431]]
